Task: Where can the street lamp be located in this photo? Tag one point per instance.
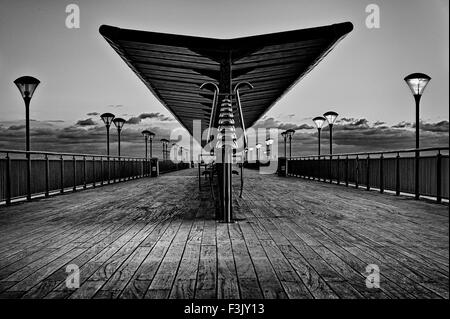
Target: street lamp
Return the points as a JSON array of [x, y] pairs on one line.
[[331, 117], [150, 138], [283, 134], [258, 146], [289, 134], [146, 134], [118, 122], [175, 150], [319, 121], [164, 143], [27, 85], [107, 118], [417, 83], [269, 142]]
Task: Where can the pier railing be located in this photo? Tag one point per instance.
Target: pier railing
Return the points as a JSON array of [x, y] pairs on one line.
[[36, 174], [422, 172]]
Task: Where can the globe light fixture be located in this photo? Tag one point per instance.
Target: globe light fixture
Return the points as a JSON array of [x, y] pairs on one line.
[[417, 83], [119, 123], [107, 118], [289, 133], [27, 85], [331, 118], [319, 121]]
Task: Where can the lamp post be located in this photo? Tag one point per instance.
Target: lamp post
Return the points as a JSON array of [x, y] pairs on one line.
[[175, 149], [258, 146], [146, 134], [269, 142], [289, 134], [107, 118], [150, 139], [283, 134], [118, 122], [27, 85], [417, 83], [319, 120], [331, 117], [165, 142]]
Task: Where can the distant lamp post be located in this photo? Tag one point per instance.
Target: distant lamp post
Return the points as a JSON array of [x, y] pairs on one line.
[[165, 142], [290, 133], [319, 121], [417, 83], [284, 135], [258, 146], [331, 118], [119, 123], [107, 118], [269, 142], [146, 134], [150, 139], [27, 85], [175, 150]]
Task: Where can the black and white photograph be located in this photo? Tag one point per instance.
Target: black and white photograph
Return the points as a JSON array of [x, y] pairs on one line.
[[229, 157]]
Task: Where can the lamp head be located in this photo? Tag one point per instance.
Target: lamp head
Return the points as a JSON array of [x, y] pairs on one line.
[[27, 85], [290, 132], [319, 121], [417, 82], [331, 117], [107, 118], [146, 133], [119, 123]]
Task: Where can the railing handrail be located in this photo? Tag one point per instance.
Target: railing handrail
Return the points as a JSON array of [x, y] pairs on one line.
[[412, 150], [70, 154]]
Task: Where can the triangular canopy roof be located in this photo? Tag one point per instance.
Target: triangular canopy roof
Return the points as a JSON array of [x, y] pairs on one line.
[[174, 66]]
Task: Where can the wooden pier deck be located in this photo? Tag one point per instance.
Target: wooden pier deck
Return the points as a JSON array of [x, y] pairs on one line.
[[156, 238]]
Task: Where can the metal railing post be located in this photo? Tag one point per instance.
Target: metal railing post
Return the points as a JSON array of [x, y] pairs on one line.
[[74, 162], [84, 172], [8, 179], [47, 176], [62, 174], [330, 170], [397, 174], [381, 174], [94, 173], [368, 173], [439, 177], [356, 171], [416, 175], [346, 171], [338, 171], [28, 176]]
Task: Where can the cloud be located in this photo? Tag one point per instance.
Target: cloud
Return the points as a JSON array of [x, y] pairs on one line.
[[16, 127], [270, 122], [115, 105], [93, 114], [87, 122], [441, 126], [134, 120], [403, 124], [154, 115]]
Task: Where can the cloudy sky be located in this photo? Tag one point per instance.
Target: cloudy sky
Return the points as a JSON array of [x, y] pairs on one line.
[[362, 79]]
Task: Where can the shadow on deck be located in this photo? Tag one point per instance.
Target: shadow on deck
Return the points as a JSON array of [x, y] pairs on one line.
[[156, 238]]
